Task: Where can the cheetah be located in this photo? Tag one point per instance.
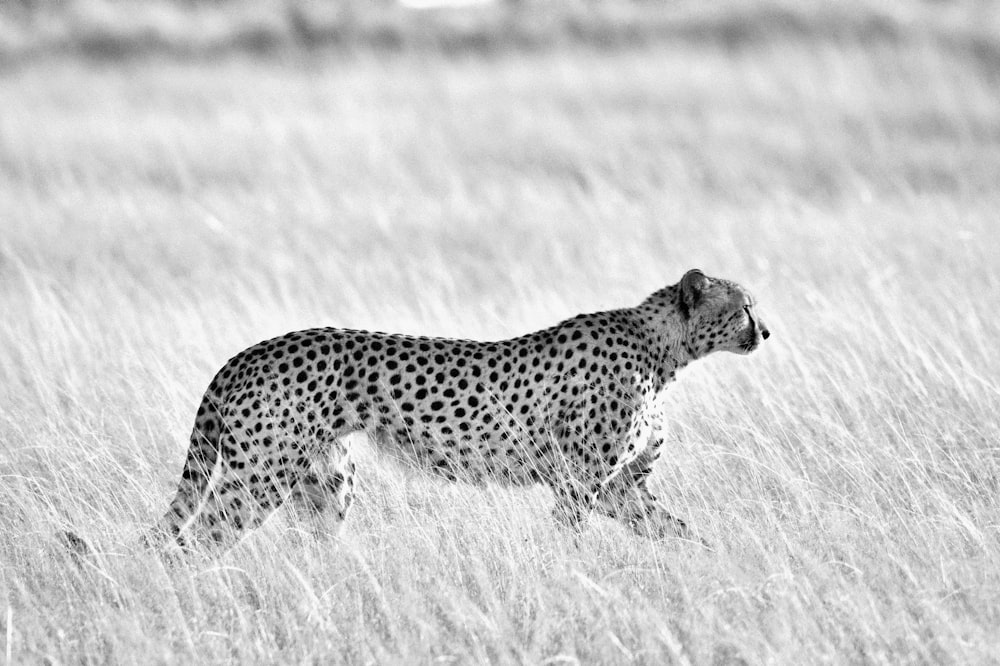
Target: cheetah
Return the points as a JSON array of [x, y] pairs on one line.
[[576, 407]]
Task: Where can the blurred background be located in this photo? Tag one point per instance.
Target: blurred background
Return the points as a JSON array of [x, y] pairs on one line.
[[225, 143], [204, 28]]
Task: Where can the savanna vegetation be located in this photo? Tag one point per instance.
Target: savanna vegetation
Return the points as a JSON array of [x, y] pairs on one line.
[[170, 194]]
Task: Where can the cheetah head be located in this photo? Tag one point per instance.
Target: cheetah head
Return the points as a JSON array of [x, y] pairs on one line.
[[719, 315]]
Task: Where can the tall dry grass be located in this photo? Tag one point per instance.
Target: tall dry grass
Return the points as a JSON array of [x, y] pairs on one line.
[[159, 215]]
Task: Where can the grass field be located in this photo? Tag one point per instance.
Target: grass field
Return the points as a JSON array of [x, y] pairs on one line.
[[159, 214]]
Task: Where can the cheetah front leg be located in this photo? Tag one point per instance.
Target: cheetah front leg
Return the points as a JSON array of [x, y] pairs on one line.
[[627, 498]]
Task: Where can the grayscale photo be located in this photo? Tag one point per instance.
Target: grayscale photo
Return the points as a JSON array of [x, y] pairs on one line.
[[499, 332]]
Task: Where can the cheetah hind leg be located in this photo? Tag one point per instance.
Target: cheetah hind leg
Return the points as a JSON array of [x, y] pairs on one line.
[[219, 504], [320, 490], [227, 510], [324, 493], [573, 505]]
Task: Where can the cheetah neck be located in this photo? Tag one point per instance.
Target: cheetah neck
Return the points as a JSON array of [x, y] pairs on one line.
[[666, 331]]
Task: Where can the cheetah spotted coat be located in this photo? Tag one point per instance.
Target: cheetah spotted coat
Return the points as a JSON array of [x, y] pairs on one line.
[[574, 406]]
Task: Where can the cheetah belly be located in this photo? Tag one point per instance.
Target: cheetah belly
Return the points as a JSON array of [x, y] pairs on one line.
[[476, 435], [477, 455]]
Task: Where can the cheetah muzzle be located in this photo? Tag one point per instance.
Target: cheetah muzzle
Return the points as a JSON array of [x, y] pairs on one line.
[[574, 406]]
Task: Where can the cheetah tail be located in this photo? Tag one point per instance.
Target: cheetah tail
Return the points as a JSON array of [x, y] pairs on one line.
[[203, 454]]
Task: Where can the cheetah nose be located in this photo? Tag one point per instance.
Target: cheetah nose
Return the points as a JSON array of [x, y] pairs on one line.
[[764, 333]]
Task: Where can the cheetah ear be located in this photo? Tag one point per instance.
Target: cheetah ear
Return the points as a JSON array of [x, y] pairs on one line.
[[693, 286]]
